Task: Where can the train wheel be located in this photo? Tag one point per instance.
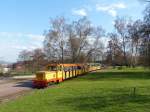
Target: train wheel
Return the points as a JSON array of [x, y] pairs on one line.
[[57, 82]]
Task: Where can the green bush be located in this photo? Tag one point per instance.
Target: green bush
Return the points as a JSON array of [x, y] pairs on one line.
[[120, 68]]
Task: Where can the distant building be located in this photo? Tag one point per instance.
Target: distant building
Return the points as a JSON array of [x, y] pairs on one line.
[[4, 68], [19, 66], [22, 66]]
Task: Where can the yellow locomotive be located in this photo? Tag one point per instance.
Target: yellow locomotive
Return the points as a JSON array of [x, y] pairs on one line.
[[59, 72]]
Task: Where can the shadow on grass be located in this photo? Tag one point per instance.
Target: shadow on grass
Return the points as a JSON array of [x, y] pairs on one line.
[[89, 103], [115, 75]]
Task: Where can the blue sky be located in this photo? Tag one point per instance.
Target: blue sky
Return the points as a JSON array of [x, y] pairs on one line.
[[22, 22]]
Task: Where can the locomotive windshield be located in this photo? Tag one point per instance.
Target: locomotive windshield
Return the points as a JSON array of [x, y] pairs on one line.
[[52, 68]]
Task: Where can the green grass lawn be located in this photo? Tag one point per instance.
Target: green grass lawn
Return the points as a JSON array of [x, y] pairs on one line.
[[105, 91]]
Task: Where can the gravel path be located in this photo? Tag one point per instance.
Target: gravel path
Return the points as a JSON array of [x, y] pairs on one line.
[[10, 88]]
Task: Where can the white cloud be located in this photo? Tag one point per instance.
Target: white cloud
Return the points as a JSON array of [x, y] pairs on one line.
[[112, 12], [11, 43], [35, 37], [119, 5], [80, 12], [110, 9], [22, 47], [113, 23], [19, 47], [10, 34]]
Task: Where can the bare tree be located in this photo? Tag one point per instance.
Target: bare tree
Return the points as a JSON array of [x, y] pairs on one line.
[[135, 38], [95, 46], [144, 1], [24, 57], [76, 41], [83, 30], [79, 32], [55, 40], [121, 27], [145, 46], [84, 40], [115, 53], [38, 60], [73, 42]]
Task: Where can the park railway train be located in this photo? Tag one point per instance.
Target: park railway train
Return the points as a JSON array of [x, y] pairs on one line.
[[56, 73]]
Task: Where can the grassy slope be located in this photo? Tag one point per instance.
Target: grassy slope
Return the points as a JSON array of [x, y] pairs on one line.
[[106, 91]]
